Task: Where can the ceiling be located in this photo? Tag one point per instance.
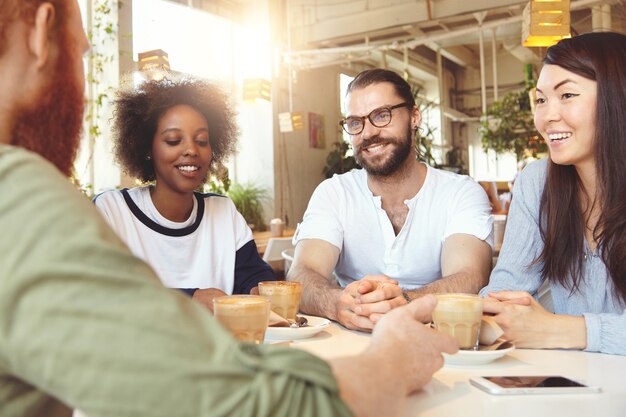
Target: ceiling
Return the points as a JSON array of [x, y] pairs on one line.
[[406, 35], [326, 32]]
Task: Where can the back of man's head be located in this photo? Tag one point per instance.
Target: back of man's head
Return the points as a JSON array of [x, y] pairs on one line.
[[43, 112], [12, 10], [379, 75]]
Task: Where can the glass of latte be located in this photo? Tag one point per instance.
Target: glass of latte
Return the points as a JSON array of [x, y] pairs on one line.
[[459, 315], [244, 316], [284, 297]]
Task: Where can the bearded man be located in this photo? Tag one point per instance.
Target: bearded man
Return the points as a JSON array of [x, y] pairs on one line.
[[373, 239], [84, 324]]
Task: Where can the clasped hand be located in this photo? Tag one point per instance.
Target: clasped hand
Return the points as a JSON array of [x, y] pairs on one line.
[[362, 303]]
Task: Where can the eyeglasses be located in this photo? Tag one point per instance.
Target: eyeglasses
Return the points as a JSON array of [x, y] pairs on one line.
[[379, 117]]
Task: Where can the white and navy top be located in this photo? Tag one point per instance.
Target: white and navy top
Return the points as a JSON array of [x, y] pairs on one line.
[[344, 212], [213, 248]]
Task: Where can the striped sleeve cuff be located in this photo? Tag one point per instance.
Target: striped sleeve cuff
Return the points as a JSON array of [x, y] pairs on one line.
[[188, 291], [592, 322]]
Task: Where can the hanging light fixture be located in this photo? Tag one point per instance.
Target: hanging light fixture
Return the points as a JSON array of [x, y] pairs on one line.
[[154, 64], [545, 22]]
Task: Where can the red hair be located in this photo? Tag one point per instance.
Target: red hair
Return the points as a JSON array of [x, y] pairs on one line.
[[11, 10]]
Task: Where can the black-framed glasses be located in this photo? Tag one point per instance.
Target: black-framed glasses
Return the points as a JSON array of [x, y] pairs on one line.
[[379, 117]]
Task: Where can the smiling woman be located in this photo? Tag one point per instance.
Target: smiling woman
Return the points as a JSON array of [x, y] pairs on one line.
[[565, 115], [173, 134], [570, 208], [181, 153]]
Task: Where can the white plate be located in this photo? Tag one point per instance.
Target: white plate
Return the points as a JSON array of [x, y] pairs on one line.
[[477, 357], [316, 325]]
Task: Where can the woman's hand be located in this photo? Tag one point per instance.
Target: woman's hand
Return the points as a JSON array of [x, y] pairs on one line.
[[528, 325]]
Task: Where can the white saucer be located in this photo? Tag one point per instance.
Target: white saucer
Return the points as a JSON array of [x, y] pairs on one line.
[[477, 357], [316, 325]]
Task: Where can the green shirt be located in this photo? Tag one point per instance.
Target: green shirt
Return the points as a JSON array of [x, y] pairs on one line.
[[84, 324]]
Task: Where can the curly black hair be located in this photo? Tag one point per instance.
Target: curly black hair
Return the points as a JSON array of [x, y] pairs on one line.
[[137, 113]]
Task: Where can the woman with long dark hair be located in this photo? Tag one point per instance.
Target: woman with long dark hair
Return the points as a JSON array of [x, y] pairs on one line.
[[567, 223]]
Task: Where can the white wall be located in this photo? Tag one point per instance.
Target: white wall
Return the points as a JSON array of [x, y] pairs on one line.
[[299, 167], [197, 42], [254, 163]]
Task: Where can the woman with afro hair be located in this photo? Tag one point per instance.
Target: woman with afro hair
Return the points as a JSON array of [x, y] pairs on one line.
[[172, 135]]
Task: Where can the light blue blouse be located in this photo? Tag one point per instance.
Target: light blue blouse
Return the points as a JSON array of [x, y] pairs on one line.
[[605, 315]]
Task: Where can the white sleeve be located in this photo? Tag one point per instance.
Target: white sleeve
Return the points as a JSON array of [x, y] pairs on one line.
[[106, 205], [243, 233], [322, 219], [469, 212]]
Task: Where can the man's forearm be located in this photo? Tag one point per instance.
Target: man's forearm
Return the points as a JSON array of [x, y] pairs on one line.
[[319, 296], [367, 396], [465, 282]]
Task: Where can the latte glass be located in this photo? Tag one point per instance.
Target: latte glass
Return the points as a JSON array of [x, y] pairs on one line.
[[284, 297], [459, 315], [245, 316]]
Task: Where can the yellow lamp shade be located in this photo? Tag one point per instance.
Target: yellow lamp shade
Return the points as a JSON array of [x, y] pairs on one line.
[[154, 60], [545, 22]]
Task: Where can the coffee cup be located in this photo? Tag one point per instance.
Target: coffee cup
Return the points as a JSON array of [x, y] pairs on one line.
[[459, 315], [277, 227], [284, 297], [499, 224], [245, 316]]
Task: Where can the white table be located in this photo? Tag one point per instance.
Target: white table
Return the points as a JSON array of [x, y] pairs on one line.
[[449, 394]]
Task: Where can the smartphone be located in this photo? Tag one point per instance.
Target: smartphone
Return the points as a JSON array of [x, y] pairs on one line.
[[525, 385]]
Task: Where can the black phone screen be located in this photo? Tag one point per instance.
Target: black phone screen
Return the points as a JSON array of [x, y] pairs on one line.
[[533, 381]]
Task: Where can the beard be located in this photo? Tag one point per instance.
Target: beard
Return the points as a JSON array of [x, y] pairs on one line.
[[399, 154], [51, 124]]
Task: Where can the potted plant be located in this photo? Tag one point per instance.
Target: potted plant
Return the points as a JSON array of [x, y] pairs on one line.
[[249, 199], [338, 161], [508, 124]]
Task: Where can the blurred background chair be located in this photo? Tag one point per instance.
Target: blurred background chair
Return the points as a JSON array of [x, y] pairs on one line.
[[544, 296], [491, 189], [288, 257], [273, 254]]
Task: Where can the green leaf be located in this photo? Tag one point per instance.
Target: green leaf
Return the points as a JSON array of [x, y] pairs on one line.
[[508, 126]]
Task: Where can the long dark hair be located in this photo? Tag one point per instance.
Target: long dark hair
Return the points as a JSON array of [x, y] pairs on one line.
[[600, 57]]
